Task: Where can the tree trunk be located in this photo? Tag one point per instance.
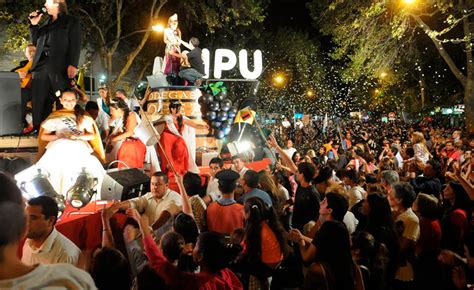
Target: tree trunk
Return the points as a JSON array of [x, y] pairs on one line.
[[469, 88], [424, 100], [469, 105]]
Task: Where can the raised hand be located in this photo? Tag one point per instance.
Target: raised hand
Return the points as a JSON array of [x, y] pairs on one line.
[[107, 213]]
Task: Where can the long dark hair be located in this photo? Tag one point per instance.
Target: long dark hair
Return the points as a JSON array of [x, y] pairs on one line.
[[462, 200], [216, 255], [282, 179], [118, 103], [372, 255], [334, 252], [177, 105], [258, 213], [380, 224]]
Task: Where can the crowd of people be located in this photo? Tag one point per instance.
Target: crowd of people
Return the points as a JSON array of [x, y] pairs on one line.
[[377, 207], [356, 205]]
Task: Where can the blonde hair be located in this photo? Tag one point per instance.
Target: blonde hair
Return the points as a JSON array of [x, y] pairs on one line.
[[311, 153], [418, 137]]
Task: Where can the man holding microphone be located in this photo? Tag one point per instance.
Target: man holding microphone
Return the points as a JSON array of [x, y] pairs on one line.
[[58, 46]]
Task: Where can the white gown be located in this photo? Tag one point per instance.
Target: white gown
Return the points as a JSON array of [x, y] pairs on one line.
[[64, 159]]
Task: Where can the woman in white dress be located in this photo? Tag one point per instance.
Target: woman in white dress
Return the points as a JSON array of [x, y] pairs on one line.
[[68, 141]]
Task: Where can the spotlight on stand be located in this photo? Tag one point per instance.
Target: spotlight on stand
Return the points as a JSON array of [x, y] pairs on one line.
[[80, 194], [34, 182]]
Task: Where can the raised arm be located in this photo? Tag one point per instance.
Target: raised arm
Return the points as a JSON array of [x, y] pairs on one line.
[[184, 196], [286, 159]]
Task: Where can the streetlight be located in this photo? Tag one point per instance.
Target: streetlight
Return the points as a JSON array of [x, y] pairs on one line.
[[279, 79], [409, 2], [310, 93], [383, 74], [158, 28]]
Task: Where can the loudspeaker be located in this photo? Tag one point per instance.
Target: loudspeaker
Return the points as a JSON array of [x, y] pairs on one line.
[[123, 184], [10, 104]]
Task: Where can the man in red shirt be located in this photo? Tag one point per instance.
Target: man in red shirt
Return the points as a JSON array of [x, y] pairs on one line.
[[225, 215]]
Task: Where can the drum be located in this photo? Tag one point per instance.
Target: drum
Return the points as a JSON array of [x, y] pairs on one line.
[[146, 134]]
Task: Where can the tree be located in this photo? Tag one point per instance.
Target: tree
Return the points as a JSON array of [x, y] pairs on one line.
[[114, 26], [13, 16], [378, 35]]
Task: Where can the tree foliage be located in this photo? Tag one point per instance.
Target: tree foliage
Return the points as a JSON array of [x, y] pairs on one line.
[[378, 35]]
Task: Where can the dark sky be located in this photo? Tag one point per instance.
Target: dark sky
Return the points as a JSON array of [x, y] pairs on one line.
[[289, 13]]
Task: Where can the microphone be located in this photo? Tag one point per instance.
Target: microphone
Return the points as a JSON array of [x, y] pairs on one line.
[[38, 12]]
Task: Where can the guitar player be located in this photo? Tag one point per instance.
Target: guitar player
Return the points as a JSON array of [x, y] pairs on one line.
[[25, 81]]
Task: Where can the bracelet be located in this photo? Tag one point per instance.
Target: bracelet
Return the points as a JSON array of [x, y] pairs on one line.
[[106, 229]]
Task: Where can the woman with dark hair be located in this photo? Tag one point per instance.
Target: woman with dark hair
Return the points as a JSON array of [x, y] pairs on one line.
[[104, 99], [130, 150], [264, 242], [380, 224], [324, 180], [296, 157], [211, 254], [68, 142], [334, 268], [371, 256], [456, 217], [177, 138], [186, 226], [428, 272]]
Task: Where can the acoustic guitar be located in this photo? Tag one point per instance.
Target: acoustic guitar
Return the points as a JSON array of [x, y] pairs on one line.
[[25, 82]]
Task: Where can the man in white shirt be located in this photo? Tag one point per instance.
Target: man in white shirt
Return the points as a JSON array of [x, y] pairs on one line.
[[13, 273], [289, 150], [44, 244], [215, 165], [239, 165], [159, 205]]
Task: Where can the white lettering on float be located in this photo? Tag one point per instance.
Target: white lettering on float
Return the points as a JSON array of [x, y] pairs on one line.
[[226, 60]]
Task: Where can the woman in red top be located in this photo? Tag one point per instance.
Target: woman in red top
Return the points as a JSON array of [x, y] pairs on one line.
[[131, 150], [211, 253], [177, 138], [456, 218], [428, 270], [264, 242]]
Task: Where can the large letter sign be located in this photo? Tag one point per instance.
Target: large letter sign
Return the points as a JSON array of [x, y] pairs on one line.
[[226, 60]]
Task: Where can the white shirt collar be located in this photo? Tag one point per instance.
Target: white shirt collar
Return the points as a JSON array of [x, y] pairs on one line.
[[47, 244]]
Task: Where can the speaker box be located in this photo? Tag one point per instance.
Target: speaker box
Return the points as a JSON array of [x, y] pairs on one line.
[[123, 184], [10, 104]]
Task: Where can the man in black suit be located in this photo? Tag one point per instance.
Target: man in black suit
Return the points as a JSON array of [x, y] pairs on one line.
[[58, 46]]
